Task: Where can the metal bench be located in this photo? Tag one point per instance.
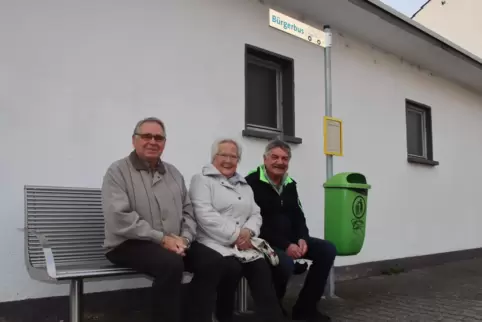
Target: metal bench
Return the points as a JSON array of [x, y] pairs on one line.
[[64, 233]]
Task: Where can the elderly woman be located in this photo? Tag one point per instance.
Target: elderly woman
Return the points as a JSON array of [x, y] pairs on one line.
[[228, 218]]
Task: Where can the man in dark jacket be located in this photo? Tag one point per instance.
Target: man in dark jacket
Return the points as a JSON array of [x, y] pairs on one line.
[[284, 228]]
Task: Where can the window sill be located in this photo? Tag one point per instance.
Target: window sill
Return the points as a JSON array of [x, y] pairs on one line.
[[269, 136], [411, 159]]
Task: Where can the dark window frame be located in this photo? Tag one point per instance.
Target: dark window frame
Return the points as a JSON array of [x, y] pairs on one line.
[[278, 69], [425, 112], [285, 101]]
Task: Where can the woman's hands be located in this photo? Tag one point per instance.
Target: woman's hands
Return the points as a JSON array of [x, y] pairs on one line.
[[244, 239]]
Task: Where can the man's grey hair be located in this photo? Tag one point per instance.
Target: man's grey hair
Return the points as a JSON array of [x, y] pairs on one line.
[[277, 143], [218, 142], [137, 128]]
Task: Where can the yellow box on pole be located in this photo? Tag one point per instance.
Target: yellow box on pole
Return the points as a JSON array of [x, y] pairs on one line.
[[332, 136]]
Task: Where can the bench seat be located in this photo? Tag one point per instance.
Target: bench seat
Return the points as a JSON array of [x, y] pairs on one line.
[[64, 233], [86, 271]]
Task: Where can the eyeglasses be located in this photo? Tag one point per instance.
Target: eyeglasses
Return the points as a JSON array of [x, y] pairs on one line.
[[149, 137]]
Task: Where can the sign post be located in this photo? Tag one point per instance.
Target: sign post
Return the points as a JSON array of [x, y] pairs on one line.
[[332, 128], [330, 148]]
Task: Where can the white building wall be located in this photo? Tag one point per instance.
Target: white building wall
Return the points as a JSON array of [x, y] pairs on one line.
[[75, 77], [412, 209], [457, 20]]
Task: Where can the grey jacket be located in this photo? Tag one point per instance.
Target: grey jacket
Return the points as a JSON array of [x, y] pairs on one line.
[[139, 203], [222, 207]]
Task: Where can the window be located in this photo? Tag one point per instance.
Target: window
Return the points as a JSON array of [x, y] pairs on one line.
[[419, 133], [269, 95]]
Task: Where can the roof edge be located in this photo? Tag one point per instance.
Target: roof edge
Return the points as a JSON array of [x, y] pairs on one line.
[[421, 8], [398, 19]]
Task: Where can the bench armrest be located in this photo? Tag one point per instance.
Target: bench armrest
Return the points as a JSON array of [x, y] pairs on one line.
[[47, 250]]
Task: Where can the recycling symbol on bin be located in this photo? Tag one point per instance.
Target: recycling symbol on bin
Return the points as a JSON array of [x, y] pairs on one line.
[[359, 207]]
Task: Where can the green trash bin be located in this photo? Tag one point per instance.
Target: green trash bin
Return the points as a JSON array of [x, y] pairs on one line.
[[345, 211]]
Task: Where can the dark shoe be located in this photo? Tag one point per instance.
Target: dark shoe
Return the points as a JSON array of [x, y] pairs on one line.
[[311, 316]]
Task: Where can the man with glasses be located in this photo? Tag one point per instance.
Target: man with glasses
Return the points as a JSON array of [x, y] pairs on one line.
[[284, 227], [150, 227]]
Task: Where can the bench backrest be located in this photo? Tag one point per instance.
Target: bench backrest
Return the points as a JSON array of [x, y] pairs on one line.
[[70, 218]]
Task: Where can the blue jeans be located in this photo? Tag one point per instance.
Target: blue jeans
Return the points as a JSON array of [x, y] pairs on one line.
[[323, 254]]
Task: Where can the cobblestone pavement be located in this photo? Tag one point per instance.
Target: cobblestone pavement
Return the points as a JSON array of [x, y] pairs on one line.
[[451, 292]]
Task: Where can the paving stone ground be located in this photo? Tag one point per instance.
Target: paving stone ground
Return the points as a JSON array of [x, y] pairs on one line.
[[450, 292]]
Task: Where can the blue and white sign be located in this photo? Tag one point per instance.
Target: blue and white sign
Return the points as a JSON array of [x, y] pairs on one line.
[[296, 28]]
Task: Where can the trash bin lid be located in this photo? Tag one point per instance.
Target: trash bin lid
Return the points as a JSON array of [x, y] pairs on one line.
[[352, 180]]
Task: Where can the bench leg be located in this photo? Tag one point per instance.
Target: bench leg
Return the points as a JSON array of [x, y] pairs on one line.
[[242, 298], [76, 294]]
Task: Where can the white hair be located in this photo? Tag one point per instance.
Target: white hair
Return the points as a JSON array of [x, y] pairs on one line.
[[218, 142]]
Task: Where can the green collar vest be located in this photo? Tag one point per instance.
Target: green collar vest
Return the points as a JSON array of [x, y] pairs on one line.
[[263, 177]]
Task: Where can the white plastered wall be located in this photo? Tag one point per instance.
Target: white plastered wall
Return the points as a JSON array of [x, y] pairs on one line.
[[76, 76]]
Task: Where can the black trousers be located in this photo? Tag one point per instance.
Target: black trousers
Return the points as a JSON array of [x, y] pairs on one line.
[[167, 267], [258, 275], [323, 254]]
